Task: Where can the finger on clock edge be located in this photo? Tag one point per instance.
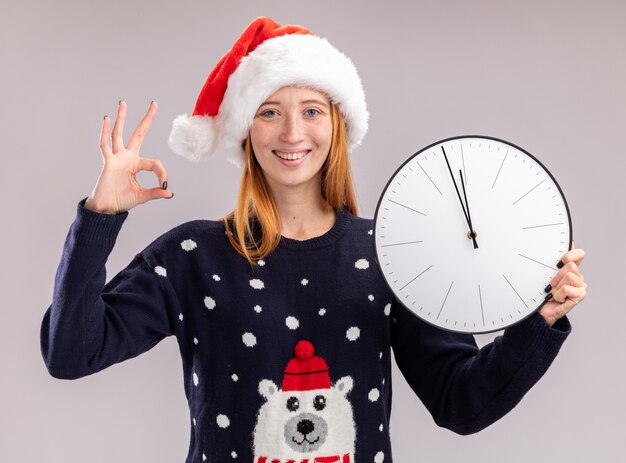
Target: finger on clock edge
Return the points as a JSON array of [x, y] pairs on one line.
[[570, 266], [575, 255]]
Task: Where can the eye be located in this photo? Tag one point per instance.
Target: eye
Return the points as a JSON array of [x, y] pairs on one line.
[[312, 112], [319, 402], [293, 404], [269, 113]]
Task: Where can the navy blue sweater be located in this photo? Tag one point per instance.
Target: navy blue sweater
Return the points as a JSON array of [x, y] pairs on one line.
[[252, 395]]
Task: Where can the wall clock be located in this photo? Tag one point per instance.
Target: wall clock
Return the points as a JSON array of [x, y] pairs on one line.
[[469, 231]]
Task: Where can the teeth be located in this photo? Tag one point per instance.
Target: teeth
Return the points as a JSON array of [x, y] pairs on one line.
[[290, 156]]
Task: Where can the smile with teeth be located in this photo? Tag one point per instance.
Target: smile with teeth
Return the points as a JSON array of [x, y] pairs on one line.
[[290, 156]]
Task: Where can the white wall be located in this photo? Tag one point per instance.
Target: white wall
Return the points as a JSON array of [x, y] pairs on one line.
[[547, 75]]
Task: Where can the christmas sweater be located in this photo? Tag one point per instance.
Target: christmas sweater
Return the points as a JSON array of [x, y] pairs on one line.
[[288, 360]]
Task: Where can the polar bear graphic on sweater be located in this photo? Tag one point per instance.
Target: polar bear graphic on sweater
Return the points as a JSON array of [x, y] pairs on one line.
[[308, 420]]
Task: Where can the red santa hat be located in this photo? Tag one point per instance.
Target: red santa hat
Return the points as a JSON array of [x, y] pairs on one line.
[[306, 372], [264, 59]]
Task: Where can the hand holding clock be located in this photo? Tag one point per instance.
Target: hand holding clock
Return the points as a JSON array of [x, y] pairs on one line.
[[568, 287]]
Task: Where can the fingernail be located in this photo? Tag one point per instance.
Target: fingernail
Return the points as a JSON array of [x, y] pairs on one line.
[[548, 297], [548, 289], [119, 102], [165, 185], [170, 196], [560, 264], [105, 117]]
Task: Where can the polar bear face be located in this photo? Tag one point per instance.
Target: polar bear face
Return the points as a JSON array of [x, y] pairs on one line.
[[305, 423]]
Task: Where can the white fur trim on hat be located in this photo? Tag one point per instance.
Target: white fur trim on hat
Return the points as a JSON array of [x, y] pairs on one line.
[[194, 137]]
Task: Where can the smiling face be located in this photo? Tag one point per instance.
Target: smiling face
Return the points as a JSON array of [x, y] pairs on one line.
[[291, 137]]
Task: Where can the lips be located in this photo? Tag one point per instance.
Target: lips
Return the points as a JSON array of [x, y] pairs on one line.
[[291, 155]]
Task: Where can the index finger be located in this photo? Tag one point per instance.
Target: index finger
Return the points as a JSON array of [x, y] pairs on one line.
[[575, 255], [136, 139]]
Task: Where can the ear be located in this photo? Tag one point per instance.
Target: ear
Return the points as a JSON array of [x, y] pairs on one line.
[[267, 388], [344, 385]]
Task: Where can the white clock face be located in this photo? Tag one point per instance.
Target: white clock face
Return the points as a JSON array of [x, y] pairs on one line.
[[432, 263]]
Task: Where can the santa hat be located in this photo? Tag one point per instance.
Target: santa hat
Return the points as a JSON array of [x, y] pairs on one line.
[[306, 372], [265, 58]]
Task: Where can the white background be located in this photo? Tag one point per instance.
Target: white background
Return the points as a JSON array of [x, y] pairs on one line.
[[546, 75]]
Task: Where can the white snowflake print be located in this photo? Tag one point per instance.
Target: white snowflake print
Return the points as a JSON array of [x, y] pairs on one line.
[[258, 308], [387, 309], [370, 232], [292, 323], [233, 454], [373, 395], [353, 333], [380, 356], [203, 457], [188, 245], [371, 297], [304, 282], [223, 421], [209, 302], [180, 317], [195, 341], [195, 379], [380, 428], [261, 262], [322, 312], [257, 284], [362, 264], [194, 421], [234, 377], [160, 271], [379, 458], [216, 277], [249, 339]]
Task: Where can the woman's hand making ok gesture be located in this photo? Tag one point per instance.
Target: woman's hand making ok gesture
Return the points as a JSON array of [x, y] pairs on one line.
[[117, 189]]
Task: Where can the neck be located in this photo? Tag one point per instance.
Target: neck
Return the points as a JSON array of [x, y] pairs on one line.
[[303, 214]]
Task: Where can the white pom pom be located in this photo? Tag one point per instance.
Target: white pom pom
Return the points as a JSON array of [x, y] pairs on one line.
[[193, 137]]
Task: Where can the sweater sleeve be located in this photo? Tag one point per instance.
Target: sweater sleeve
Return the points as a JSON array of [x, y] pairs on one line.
[[89, 325], [464, 388]]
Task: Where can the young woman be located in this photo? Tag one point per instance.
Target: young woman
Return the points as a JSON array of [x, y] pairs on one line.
[[284, 323]]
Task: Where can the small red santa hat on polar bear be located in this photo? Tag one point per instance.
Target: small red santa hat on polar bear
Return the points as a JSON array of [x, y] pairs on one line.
[[309, 419]]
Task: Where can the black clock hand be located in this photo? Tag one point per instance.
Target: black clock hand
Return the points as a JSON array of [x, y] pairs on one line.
[[472, 235]]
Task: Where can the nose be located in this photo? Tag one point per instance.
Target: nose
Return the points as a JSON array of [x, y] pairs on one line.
[[305, 427], [291, 129]]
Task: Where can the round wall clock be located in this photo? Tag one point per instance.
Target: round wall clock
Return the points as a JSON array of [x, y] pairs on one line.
[[469, 231]]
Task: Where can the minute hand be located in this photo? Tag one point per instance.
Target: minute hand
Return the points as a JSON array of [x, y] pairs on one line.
[[472, 234]]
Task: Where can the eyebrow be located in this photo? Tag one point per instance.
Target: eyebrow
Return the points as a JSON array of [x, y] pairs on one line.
[[277, 103]]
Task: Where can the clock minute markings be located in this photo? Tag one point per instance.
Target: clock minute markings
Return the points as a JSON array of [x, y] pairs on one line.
[[540, 263], [431, 180], [400, 244], [444, 300], [416, 278], [407, 207], [513, 288], [514, 202], [482, 312], [498, 174], [544, 225]]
